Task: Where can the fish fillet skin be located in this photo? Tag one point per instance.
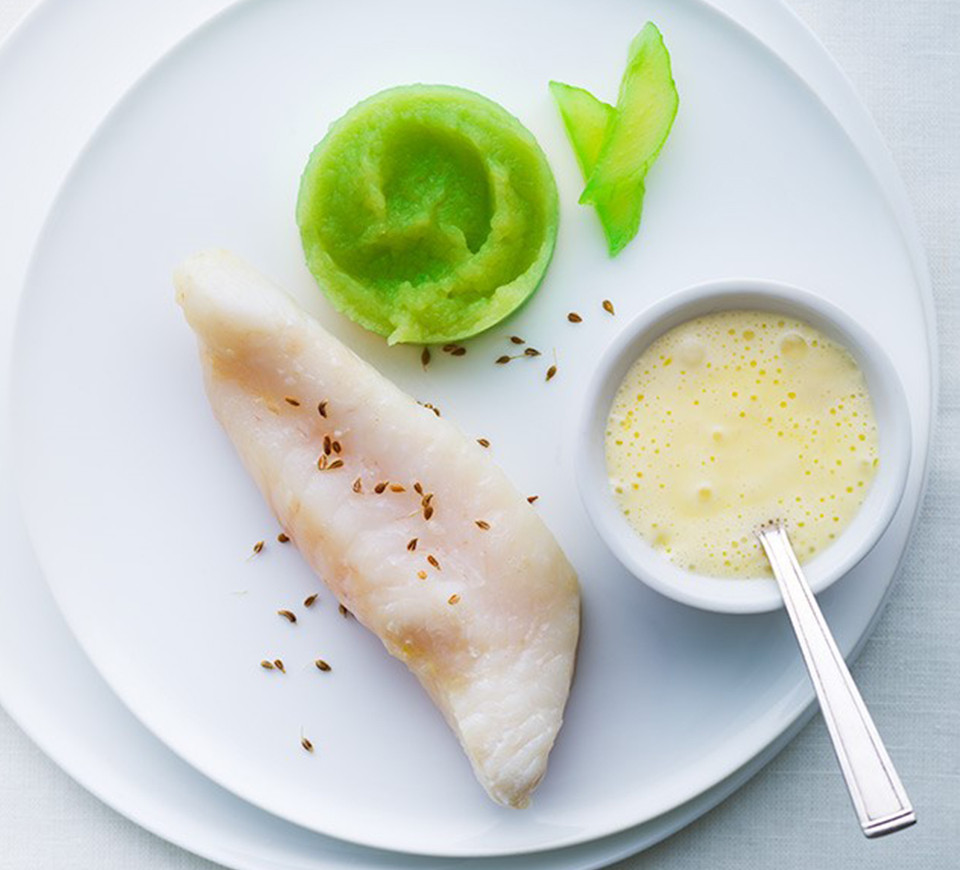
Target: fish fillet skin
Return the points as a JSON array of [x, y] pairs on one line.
[[486, 618]]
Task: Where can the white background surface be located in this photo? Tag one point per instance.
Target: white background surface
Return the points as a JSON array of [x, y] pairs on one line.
[[903, 60]]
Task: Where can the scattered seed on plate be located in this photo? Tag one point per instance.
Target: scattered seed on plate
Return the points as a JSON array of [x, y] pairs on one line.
[[573, 317], [336, 446], [397, 487], [425, 357], [531, 351], [337, 463], [483, 442], [422, 575], [322, 409], [503, 360], [418, 488], [278, 664], [551, 372], [306, 744], [483, 524], [453, 599], [428, 512], [516, 339], [322, 462], [267, 665], [308, 601], [283, 538], [343, 611], [458, 351], [380, 487], [257, 547], [358, 485], [287, 615], [608, 306], [292, 401], [532, 498], [327, 445], [433, 561], [322, 665], [412, 544]]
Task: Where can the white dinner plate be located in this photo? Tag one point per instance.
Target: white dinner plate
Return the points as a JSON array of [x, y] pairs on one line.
[[194, 152]]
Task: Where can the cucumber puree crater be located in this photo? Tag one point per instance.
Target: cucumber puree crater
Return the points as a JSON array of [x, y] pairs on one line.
[[427, 213]]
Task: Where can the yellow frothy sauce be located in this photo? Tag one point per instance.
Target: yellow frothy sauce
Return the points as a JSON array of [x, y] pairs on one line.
[[732, 419]]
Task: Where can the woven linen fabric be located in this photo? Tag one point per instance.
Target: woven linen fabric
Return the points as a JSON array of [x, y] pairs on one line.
[[903, 57]]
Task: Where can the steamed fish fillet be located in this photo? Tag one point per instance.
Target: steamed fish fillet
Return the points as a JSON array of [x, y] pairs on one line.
[[483, 608]]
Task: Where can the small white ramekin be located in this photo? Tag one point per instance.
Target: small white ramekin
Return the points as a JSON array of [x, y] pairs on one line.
[[745, 595]]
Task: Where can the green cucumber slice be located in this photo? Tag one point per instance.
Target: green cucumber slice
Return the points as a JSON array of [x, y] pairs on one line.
[[646, 107], [616, 147], [585, 119]]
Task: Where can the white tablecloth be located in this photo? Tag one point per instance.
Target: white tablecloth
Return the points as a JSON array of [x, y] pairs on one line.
[[904, 58]]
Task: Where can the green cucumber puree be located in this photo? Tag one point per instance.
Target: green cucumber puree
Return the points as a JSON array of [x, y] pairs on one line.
[[427, 213]]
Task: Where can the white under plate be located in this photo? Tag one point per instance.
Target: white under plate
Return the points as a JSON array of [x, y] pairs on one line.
[[143, 520]]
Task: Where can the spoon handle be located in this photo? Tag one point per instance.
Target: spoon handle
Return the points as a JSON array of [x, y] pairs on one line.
[[877, 793]]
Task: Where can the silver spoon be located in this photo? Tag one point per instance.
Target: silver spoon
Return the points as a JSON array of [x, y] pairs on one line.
[[877, 793]]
